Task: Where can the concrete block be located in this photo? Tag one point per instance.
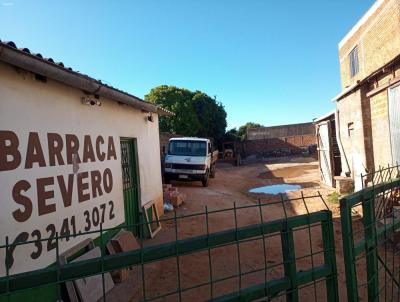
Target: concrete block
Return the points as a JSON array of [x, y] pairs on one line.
[[177, 199], [166, 186], [344, 185], [167, 195], [124, 241], [172, 189]]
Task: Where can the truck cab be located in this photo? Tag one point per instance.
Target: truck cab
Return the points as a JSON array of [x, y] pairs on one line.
[[190, 158]]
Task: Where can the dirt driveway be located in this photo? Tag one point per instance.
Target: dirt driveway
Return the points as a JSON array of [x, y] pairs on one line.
[[232, 185]]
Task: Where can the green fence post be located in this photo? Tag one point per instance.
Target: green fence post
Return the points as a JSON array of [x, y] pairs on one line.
[[348, 251], [330, 258], [209, 255], [371, 246], [289, 261], [7, 270]]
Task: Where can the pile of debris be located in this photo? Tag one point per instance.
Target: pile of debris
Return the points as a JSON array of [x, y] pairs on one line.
[[172, 197]]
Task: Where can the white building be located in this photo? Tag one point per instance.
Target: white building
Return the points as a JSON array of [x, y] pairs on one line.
[[74, 153]]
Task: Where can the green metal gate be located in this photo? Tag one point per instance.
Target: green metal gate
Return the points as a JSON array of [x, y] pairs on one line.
[[294, 259], [370, 229], [130, 183]]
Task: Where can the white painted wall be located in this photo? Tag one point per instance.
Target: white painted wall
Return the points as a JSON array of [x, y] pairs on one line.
[[28, 105], [351, 130]]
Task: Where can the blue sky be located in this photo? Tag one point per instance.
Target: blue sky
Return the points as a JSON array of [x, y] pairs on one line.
[[271, 62]]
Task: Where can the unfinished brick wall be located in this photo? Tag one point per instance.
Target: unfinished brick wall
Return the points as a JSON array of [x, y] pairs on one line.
[[292, 130], [378, 41], [266, 147]]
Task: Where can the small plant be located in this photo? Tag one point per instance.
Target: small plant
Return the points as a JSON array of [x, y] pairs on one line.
[[334, 197]]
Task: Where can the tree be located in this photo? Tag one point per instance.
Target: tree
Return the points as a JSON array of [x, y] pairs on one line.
[[211, 116], [231, 135], [242, 132], [178, 101], [196, 113]]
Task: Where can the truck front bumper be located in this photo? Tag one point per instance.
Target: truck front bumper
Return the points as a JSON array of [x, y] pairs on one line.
[[184, 176]]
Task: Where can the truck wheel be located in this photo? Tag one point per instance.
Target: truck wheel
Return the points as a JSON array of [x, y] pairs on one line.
[[213, 171], [204, 181], [238, 160]]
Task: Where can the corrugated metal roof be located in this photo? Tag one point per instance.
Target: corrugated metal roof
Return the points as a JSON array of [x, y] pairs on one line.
[[61, 66]]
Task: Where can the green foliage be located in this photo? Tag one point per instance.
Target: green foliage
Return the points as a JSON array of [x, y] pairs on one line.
[[242, 132], [196, 113], [334, 197], [231, 135], [179, 101], [211, 115]]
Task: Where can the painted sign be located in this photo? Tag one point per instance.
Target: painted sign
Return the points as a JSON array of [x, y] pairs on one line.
[[55, 183]]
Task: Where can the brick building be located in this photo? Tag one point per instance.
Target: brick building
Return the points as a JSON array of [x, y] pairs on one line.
[[368, 107], [286, 139]]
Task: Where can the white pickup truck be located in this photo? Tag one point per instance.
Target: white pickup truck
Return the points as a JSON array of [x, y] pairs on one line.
[[190, 158]]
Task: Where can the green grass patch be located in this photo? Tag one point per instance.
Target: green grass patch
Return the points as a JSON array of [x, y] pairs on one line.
[[334, 197]]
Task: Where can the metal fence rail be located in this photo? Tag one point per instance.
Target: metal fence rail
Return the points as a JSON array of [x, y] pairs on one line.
[[281, 270], [370, 239], [381, 175]]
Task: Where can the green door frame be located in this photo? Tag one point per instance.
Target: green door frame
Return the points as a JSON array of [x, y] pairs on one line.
[[130, 183]]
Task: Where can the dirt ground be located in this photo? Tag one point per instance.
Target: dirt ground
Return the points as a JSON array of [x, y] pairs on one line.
[[229, 189]]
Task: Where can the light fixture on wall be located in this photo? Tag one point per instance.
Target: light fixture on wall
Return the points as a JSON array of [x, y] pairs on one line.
[[90, 101], [150, 117]]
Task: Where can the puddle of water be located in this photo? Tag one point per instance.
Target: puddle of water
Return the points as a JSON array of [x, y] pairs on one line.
[[275, 189]]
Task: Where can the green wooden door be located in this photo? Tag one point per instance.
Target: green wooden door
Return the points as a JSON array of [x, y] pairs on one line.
[[130, 184]]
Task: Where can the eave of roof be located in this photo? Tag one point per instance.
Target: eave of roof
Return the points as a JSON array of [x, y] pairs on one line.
[[325, 116], [36, 63]]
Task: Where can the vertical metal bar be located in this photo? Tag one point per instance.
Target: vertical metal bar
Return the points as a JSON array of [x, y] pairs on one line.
[[393, 234], [209, 255], [289, 263], [348, 251], [398, 277], [264, 248], [238, 248], [58, 267], [289, 259], [362, 181], [7, 269], [142, 260], [102, 262], [385, 242], [310, 242], [371, 247], [332, 288], [177, 257], [393, 230]]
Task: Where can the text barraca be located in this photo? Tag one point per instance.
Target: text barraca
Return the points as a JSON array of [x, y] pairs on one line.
[[62, 150]]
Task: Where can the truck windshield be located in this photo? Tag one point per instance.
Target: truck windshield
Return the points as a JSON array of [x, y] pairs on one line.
[[187, 148]]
